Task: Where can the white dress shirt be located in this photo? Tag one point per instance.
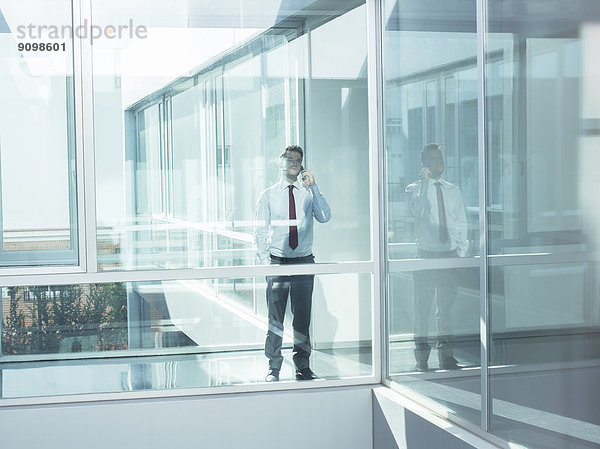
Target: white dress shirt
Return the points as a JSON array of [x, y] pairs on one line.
[[271, 234], [424, 206]]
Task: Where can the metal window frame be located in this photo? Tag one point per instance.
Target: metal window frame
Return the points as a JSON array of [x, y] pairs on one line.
[[484, 308], [87, 270], [378, 185], [24, 261], [484, 261], [379, 266]]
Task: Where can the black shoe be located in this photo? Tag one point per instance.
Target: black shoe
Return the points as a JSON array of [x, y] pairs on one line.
[[422, 367], [272, 375], [422, 351], [449, 363], [305, 374]]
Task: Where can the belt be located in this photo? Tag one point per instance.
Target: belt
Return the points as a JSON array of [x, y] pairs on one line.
[[421, 253], [300, 259]]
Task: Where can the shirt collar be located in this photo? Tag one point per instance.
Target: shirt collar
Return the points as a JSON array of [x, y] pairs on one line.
[[283, 184], [442, 181]]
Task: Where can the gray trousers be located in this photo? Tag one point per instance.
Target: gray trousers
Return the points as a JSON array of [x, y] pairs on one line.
[[299, 289], [441, 286]]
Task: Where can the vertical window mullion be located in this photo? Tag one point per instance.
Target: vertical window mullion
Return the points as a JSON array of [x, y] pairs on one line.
[[84, 142], [483, 225], [376, 110]]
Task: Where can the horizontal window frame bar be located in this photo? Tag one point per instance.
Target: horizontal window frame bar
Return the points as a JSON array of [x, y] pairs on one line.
[[258, 387], [68, 275], [230, 272], [22, 361], [510, 333], [117, 356], [503, 260], [54, 270]]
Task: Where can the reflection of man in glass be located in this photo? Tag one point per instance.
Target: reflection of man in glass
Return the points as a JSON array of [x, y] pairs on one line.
[[284, 235], [441, 232]]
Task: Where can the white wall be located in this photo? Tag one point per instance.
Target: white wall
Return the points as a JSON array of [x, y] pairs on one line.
[[323, 419], [400, 423]]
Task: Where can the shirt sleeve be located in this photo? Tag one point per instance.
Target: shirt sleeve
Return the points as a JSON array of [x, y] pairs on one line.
[[262, 221], [321, 209], [419, 203]]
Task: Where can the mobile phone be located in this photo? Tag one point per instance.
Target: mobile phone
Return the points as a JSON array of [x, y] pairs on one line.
[[423, 166], [301, 173]]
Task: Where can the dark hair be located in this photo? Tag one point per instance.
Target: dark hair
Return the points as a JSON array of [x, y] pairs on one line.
[[428, 149], [296, 148]]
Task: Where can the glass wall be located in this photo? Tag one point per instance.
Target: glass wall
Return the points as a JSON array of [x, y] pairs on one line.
[[188, 134], [432, 201], [542, 148], [539, 356], [491, 219], [188, 107], [169, 334], [38, 204]]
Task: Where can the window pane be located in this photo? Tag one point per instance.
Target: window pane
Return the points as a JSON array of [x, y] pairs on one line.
[[541, 129], [545, 336], [543, 151], [38, 220], [183, 334], [433, 313], [433, 201], [190, 120]]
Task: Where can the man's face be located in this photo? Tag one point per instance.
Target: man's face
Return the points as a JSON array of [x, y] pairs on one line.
[[435, 162], [291, 164]]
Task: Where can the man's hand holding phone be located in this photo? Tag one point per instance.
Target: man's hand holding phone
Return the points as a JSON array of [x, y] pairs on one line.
[[425, 173], [307, 177]]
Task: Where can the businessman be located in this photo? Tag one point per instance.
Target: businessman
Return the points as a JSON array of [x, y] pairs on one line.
[[441, 232], [284, 235]]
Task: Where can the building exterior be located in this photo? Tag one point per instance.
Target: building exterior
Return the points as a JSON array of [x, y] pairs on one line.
[[135, 140]]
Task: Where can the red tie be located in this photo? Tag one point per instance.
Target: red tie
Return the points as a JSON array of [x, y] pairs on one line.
[[441, 214], [293, 229]]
